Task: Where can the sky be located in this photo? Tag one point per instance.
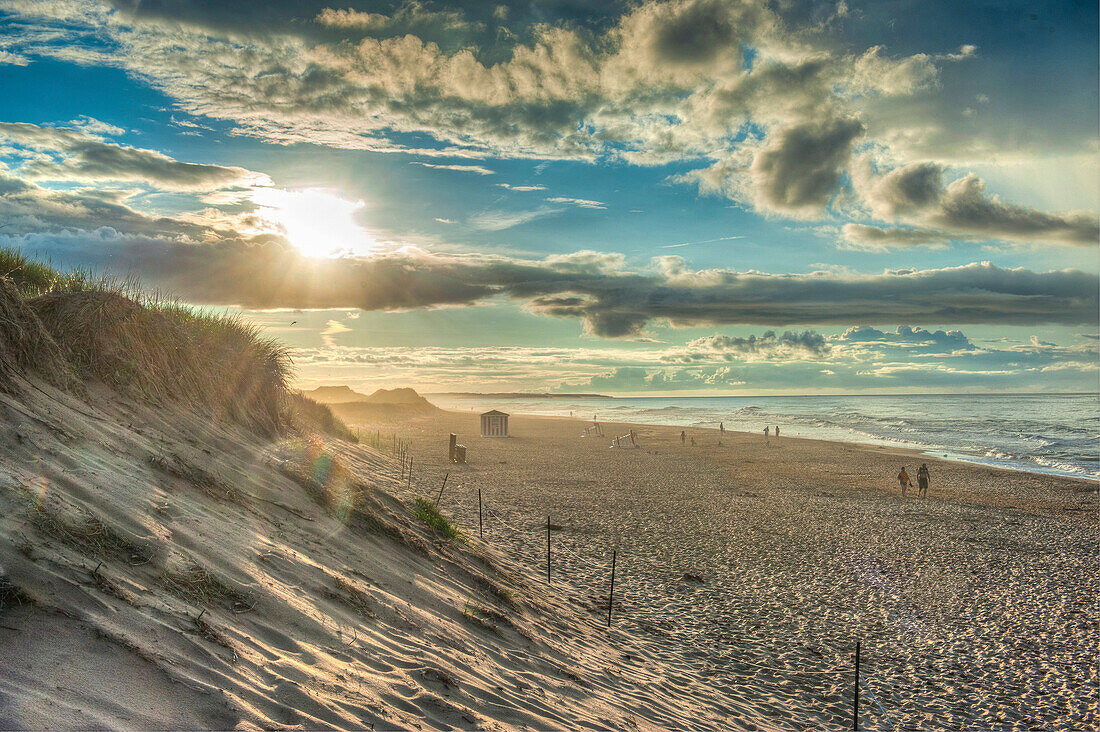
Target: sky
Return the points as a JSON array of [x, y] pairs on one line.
[[681, 197]]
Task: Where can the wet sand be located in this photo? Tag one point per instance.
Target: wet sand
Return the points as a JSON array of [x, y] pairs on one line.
[[758, 565]]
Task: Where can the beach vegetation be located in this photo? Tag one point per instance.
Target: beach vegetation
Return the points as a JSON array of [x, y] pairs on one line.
[[200, 586], [427, 512], [350, 596], [89, 536], [74, 326]]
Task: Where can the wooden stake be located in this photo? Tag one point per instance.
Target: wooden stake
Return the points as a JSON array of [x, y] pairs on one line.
[[440, 498], [547, 548], [480, 524], [855, 694], [611, 595]]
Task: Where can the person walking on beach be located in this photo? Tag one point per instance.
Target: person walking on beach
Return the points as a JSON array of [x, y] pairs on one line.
[[683, 437], [767, 431], [777, 432], [906, 483], [721, 426], [922, 480]]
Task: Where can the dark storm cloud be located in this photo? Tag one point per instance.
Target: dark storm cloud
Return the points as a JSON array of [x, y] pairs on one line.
[[696, 35]]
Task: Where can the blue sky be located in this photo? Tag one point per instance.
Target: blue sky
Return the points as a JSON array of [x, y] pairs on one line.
[[696, 196]]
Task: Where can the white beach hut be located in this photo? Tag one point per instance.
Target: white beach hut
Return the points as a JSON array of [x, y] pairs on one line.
[[494, 424]]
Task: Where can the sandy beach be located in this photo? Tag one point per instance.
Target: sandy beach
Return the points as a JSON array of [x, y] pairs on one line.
[[757, 565]]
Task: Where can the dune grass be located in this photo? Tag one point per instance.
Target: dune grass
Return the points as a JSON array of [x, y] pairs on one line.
[[427, 512], [148, 345]]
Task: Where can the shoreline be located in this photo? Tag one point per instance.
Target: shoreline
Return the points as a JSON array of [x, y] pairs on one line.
[[930, 452], [916, 451]]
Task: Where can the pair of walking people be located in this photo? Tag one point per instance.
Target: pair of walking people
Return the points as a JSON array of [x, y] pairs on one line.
[[907, 482]]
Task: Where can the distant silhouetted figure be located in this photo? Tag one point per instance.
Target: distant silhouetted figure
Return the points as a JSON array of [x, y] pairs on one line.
[[767, 431], [777, 432], [922, 480], [721, 427], [906, 483], [683, 437]]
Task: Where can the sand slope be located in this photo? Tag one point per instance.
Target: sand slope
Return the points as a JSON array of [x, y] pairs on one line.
[[162, 571]]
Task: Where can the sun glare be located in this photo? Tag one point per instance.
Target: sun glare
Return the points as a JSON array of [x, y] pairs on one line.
[[319, 223]]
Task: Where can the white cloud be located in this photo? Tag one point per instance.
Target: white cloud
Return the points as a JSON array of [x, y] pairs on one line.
[[511, 187], [494, 220], [475, 169], [81, 154], [579, 202]]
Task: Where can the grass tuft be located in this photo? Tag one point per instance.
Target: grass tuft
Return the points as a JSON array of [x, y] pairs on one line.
[[201, 587], [25, 344], [427, 512], [28, 276], [89, 536]]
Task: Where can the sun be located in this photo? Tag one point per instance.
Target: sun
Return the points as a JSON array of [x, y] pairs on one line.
[[318, 222]]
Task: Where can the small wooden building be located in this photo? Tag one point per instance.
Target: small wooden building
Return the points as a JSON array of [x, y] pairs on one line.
[[494, 424]]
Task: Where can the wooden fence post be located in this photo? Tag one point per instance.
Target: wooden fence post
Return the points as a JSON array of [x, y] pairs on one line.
[[440, 497], [855, 694], [611, 595]]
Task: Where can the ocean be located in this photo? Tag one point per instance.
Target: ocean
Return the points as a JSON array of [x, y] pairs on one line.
[[1042, 433]]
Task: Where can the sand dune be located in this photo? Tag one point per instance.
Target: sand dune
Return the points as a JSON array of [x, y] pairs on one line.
[[173, 572]]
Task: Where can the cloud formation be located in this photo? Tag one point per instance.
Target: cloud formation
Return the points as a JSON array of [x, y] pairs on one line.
[[205, 266], [50, 153], [907, 336], [475, 169], [798, 173], [962, 210], [769, 346], [769, 109]]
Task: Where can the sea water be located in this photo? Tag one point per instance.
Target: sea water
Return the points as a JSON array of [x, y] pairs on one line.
[[1044, 433]]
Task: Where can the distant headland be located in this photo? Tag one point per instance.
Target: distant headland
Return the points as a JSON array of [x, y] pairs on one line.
[[519, 395]]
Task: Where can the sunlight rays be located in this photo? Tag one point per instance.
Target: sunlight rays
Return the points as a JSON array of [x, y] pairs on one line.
[[317, 221]]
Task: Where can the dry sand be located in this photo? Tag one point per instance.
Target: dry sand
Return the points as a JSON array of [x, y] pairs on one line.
[[750, 569], [160, 571]]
